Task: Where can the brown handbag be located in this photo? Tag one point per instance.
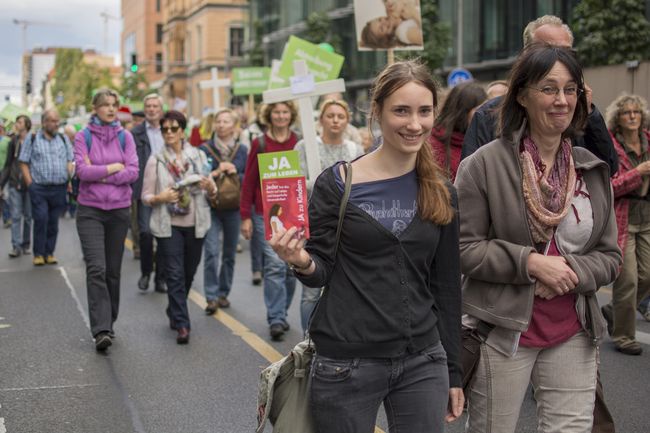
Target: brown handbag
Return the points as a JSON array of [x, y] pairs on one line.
[[228, 185]]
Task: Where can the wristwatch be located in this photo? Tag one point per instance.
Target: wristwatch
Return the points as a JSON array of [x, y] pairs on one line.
[[301, 269]]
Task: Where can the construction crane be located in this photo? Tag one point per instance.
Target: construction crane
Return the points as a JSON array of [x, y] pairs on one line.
[[24, 24], [107, 17]]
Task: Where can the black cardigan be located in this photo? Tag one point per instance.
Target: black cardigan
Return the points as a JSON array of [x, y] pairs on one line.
[[386, 296]]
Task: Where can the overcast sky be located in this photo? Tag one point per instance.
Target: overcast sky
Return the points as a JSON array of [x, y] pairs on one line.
[[78, 24]]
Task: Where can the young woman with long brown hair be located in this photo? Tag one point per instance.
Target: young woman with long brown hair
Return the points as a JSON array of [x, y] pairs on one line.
[[387, 328]]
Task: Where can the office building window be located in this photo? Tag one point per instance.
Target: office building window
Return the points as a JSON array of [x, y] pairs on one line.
[[159, 63], [159, 33], [236, 41]]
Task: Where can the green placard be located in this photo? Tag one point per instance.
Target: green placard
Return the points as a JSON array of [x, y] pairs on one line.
[[279, 165], [322, 64], [250, 81]]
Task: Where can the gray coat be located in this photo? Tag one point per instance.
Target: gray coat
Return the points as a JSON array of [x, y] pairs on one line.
[[495, 239], [160, 222]]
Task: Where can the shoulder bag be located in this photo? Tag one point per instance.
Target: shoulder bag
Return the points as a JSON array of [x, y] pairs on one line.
[[228, 184], [283, 392]]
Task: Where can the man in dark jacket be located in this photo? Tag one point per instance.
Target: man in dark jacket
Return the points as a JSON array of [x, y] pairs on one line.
[[596, 138], [19, 204], [148, 141]]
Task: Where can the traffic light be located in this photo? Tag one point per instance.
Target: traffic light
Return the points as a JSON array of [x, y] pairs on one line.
[[28, 87], [134, 63]]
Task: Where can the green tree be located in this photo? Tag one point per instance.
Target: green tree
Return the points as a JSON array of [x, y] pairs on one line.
[[609, 32], [436, 35], [319, 29], [75, 80], [256, 53], [135, 86]]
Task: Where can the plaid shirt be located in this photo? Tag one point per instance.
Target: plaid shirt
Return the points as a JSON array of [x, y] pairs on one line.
[[47, 159]]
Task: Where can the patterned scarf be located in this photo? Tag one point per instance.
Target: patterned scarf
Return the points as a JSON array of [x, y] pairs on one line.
[[178, 171], [547, 199]]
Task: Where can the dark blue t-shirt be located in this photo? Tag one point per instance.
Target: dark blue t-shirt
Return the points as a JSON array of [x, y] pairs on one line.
[[392, 202]]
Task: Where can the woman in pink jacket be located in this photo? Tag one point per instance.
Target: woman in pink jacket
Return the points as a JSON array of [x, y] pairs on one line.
[[106, 165]]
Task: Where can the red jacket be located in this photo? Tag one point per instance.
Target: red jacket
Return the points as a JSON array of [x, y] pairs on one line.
[[251, 192], [440, 152], [626, 180]]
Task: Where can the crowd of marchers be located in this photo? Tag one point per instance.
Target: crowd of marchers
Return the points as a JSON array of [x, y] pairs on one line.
[[499, 211]]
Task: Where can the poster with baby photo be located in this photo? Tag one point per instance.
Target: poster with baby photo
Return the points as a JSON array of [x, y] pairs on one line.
[[388, 24]]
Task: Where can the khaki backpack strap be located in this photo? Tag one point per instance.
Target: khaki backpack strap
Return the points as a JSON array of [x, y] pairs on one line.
[[212, 152]]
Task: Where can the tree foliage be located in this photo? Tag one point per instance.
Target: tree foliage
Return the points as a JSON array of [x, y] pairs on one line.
[[319, 29], [75, 80], [609, 32], [436, 35], [256, 53], [135, 86]]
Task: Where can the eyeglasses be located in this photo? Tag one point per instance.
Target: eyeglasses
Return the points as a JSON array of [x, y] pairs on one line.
[[630, 112], [569, 92], [166, 129]]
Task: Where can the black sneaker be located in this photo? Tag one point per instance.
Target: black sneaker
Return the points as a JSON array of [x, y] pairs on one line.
[[102, 341], [160, 287], [277, 331], [607, 314], [143, 283]]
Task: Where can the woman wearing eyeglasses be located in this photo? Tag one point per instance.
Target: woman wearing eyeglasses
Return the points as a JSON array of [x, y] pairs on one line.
[[627, 120], [175, 187], [537, 240]]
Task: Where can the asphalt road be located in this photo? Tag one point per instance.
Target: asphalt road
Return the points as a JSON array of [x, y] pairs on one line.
[[52, 380]]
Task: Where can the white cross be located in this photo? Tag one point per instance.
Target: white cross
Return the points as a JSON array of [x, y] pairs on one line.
[[306, 112], [215, 84]]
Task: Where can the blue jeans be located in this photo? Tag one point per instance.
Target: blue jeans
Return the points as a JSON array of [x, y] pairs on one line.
[[279, 281], [345, 394], [257, 245], [6, 213], [308, 301], [21, 217], [219, 282], [181, 254], [48, 204]]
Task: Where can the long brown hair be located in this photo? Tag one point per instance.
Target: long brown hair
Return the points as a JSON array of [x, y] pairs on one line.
[[434, 197]]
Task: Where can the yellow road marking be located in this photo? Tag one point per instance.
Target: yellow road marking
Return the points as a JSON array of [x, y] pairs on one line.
[[258, 344], [267, 351]]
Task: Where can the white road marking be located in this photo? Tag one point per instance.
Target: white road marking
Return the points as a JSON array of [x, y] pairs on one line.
[[80, 307], [643, 337], [41, 388], [3, 429]]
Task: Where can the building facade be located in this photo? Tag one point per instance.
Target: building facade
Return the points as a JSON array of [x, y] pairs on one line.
[[141, 41], [199, 35], [491, 36], [37, 64]]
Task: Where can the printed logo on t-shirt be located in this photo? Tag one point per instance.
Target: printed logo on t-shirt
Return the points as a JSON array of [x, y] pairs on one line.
[[395, 218]]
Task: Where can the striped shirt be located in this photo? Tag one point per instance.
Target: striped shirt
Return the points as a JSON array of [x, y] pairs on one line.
[[47, 159]]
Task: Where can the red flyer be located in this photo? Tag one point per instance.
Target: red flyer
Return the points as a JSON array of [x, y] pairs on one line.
[[284, 193]]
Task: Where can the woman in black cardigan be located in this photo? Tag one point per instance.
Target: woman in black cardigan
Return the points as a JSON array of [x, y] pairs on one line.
[[387, 328]]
